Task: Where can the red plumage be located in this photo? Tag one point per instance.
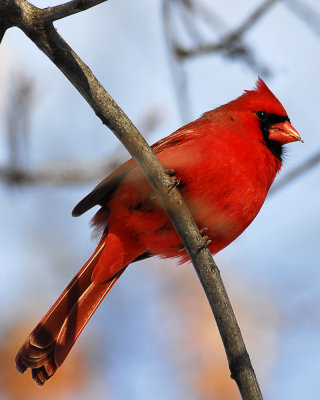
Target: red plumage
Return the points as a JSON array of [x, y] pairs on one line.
[[225, 161]]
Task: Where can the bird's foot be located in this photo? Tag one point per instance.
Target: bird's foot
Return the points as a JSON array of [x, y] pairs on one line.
[[205, 242], [174, 180], [169, 172]]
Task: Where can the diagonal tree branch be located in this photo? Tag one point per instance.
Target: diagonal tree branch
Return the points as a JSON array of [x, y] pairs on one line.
[[33, 22]]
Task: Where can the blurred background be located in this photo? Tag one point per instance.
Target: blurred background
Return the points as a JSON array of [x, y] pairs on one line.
[[164, 62]]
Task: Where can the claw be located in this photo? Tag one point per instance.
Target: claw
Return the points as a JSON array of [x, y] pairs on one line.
[[205, 243], [175, 181], [205, 240], [169, 172]]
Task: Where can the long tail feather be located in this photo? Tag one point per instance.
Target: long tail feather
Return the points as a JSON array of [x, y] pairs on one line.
[[50, 342]]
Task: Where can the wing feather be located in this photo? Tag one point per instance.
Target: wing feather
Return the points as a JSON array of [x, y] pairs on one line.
[[103, 192]]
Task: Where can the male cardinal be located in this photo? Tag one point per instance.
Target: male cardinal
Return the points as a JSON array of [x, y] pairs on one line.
[[225, 162]]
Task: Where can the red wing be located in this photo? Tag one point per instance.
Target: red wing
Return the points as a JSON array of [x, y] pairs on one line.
[[180, 136], [104, 190], [102, 193]]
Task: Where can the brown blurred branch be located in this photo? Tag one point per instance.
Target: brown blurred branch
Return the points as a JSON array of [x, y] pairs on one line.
[[19, 103], [231, 43], [179, 81], [63, 172], [189, 14], [60, 172], [33, 22]]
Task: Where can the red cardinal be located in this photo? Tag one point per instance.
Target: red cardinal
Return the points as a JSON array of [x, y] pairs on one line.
[[225, 161]]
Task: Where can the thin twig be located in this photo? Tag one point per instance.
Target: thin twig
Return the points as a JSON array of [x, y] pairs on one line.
[[65, 10], [254, 17], [231, 45], [178, 74], [59, 173], [30, 20], [231, 39]]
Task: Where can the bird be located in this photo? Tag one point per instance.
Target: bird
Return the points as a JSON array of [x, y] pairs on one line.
[[223, 163]]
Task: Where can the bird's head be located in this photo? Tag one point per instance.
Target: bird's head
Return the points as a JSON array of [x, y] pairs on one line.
[[265, 117]]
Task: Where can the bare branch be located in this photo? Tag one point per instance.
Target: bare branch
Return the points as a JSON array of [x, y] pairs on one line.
[[31, 20], [232, 45], [19, 104], [72, 7], [178, 74], [60, 172], [230, 42], [254, 17]]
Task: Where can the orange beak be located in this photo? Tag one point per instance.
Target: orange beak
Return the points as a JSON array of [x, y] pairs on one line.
[[284, 132]]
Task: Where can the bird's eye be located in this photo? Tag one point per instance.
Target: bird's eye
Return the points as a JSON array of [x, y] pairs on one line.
[[262, 115]]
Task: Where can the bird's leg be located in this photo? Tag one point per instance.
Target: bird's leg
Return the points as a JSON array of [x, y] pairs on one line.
[[174, 183]]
